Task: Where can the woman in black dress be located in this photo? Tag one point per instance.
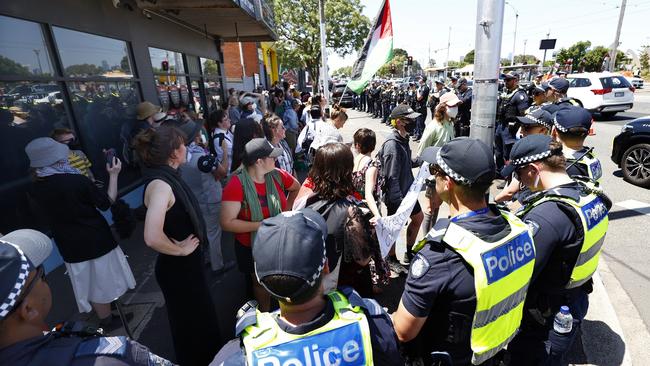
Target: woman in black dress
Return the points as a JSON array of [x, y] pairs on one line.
[[175, 229]]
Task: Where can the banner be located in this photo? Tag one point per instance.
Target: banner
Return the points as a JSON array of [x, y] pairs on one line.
[[389, 227]]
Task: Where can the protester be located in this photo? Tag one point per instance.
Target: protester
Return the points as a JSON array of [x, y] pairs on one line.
[[77, 158], [254, 192], [275, 133], [149, 116], [174, 227], [246, 130], [291, 264], [26, 300], [96, 265], [365, 175], [326, 132], [291, 123], [221, 140]]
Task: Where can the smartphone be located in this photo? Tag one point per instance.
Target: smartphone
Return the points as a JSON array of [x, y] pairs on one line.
[[110, 154]]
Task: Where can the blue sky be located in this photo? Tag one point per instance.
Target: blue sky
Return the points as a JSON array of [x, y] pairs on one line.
[[420, 25]]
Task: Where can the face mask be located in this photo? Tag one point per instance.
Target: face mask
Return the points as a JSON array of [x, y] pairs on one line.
[[452, 112], [410, 127]]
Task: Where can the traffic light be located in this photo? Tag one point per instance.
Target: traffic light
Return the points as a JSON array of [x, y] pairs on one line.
[[165, 65], [410, 61]]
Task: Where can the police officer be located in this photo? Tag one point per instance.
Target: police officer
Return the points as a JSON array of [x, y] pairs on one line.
[[371, 100], [422, 96], [376, 98], [571, 127], [452, 300], [386, 96], [556, 95], [311, 327], [537, 97], [25, 301], [568, 220], [512, 103], [464, 108], [439, 90]]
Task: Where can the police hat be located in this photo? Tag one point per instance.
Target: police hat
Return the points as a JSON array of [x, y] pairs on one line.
[[453, 78], [404, 111], [465, 160], [440, 81], [462, 81], [537, 117], [571, 117], [510, 75], [529, 149], [559, 84]]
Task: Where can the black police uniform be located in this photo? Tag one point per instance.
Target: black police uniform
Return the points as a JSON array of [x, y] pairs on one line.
[[376, 97], [382, 334], [78, 345], [575, 168], [558, 236], [513, 106], [464, 112], [423, 92], [385, 104], [559, 104], [440, 286]]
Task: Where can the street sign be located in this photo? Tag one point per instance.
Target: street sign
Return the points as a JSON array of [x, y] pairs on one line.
[[547, 44]]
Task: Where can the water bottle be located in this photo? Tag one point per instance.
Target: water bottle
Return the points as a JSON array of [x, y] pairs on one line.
[[563, 322]]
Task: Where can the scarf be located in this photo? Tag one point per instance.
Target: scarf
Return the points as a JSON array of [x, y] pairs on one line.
[[252, 202], [181, 192], [60, 167]]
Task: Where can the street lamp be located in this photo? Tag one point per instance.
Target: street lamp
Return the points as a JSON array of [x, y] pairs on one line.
[[514, 42]]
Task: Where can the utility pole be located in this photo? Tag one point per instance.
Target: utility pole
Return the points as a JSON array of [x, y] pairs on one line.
[[489, 31], [612, 55], [323, 51], [544, 60], [525, 41], [448, 44], [514, 42]]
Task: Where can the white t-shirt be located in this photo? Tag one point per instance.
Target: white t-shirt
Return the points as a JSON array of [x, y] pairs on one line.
[[228, 139]]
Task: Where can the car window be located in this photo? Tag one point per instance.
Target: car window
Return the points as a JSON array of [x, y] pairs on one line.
[[607, 82], [579, 82], [620, 82]]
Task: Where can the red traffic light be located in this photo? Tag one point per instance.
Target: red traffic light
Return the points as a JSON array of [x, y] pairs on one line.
[[165, 65]]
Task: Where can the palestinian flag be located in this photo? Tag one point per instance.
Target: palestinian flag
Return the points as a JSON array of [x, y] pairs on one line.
[[376, 52]]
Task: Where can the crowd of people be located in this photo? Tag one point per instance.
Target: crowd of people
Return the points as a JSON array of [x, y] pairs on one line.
[[483, 286]]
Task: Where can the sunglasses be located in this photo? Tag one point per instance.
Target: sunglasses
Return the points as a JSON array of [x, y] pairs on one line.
[[515, 174], [40, 274], [436, 170]]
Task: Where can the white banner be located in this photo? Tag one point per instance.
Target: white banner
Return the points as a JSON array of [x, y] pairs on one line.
[[389, 227]]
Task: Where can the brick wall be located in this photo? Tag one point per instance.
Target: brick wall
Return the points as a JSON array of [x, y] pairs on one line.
[[232, 62]]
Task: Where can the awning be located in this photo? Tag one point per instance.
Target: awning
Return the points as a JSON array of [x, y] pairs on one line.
[[230, 20]]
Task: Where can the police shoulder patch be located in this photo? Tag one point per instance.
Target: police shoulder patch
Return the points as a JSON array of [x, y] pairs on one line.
[[533, 227], [419, 266], [102, 346], [522, 97]]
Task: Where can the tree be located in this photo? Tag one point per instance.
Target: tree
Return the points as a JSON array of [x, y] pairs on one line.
[[299, 35], [210, 67], [576, 52], [529, 59], [345, 71], [469, 57], [83, 70], [10, 67], [644, 58], [400, 52], [505, 62], [456, 64]]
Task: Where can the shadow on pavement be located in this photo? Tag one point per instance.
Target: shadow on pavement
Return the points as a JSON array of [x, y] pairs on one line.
[[611, 348]]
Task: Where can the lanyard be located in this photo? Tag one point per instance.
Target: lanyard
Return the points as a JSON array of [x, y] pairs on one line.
[[465, 215]]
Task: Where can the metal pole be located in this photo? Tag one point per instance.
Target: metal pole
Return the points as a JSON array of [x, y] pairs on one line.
[[323, 51], [544, 60], [448, 44], [514, 42], [612, 55], [489, 29]]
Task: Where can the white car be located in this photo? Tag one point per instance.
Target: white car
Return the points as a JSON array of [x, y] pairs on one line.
[[636, 81], [601, 92], [51, 98]]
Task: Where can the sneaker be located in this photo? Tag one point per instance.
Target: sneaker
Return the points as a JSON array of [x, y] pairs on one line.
[[396, 268]]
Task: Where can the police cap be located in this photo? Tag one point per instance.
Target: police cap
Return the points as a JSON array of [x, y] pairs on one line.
[[465, 160], [571, 117], [510, 75], [559, 84], [537, 117], [528, 150]]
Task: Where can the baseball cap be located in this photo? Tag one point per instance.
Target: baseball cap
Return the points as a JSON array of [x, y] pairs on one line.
[[462, 81], [145, 110], [21, 251], [559, 84], [528, 150], [45, 151], [293, 244], [440, 81], [247, 100], [465, 160], [571, 117], [453, 78], [189, 129], [511, 75], [259, 148], [404, 111], [449, 99], [537, 117]]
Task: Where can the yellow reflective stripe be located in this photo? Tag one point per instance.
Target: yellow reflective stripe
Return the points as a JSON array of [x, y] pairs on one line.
[[482, 318], [479, 358], [591, 252]]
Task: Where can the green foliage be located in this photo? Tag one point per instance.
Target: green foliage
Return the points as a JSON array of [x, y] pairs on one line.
[[10, 67], [529, 59], [210, 67], [505, 62], [399, 57], [469, 57], [400, 52], [593, 60], [456, 64], [299, 35], [575, 52], [345, 71], [644, 58], [83, 70]]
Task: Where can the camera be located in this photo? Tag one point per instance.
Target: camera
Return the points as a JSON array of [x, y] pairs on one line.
[[207, 163]]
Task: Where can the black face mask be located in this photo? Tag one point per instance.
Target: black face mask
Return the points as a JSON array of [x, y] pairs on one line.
[[74, 145], [410, 127]]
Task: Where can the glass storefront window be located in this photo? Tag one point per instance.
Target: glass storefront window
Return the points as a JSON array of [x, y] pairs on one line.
[[22, 49], [212, 83], [85, 55], [174, 61]]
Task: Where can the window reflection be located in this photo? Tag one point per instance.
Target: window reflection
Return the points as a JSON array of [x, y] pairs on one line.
[[174, 61], [84, 54], [22, 48]]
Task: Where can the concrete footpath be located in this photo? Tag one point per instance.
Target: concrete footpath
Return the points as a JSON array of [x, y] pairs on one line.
[[602, 341]]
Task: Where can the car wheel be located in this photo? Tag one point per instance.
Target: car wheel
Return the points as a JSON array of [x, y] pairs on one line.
[[636, 165], [608, 114]]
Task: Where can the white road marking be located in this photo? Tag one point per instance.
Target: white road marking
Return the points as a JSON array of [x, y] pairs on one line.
[[635, 205]]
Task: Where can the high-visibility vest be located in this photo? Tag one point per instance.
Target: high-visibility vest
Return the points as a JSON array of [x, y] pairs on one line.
[[591, 162], [592, 211], [502, 273], [344, 340]]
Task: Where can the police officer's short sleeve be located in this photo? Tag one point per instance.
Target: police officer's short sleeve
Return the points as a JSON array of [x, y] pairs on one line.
[[521, 102], [428, 276]]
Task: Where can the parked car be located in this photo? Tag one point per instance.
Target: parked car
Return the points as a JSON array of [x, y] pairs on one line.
[[347, 100], [631, 151], [636, 81], [601, 92]]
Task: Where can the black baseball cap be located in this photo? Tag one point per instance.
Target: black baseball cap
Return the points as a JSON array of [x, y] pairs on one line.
[[259, 148], [404, 111], [559, 84], [511, 75], [292, 244], [528, 150], [571, 117], [537, 117], [465, 160], [453, 78]]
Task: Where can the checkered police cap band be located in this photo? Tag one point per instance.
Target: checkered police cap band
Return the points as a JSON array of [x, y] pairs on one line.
[[531, 158], [538, 121], [8, 303], [450, 172], [558, 125], [315, 276]]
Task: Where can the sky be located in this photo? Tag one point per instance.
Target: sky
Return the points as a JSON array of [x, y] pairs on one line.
[[421, 27]]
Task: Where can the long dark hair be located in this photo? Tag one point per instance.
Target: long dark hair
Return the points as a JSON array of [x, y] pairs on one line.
[[156, 146], [332, 171], [245, 130]]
